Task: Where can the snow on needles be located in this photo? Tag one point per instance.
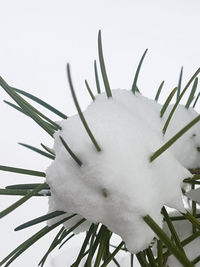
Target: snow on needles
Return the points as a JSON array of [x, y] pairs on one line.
[[119, 185]]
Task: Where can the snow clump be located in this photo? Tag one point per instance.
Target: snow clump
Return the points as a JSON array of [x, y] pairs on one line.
[[118, 185]]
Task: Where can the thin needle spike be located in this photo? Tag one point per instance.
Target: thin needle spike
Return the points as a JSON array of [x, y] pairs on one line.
[[56, 126], [167, 102], [194, 210], [59, 239], [196, 260], [26, 107], [134, 85], [97, 78], [66, 240], [131, 259], [22, 171], [94, 246], [179, 84], [21, 192], [71, 230], [52, 123], [178, 100], [84, 245], [192, 93], [192, 219], [195, 102], [172, 230], [25, 186], [15, 107], [22, 200], [25, 113], [89, 90], [102, 66], [160, 253], [150, 257], [70, 151], [39, 219], [142, 259], [102, 245], [80, 112], [38, 150], [52, 246], [159, 91], [173, 139], [42, 103], [112, 255], [47, 149], [190, 238]]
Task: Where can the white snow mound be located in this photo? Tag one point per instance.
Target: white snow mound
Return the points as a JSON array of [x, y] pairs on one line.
[[119, 185]]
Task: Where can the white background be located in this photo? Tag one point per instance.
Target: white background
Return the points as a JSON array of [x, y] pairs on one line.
[[37, 38]]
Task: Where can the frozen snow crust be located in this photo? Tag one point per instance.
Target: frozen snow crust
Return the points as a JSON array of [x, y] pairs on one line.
[[119, 185]]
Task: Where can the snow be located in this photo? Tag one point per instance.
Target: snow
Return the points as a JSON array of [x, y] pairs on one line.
[[119, 185], [190, 141], [184, 230], [194, 195]]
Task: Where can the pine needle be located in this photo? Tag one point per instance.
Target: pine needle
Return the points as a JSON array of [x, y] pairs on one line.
[[159, 91], [150, 257], [15, 107], [134, 85], [48, 149], [167, 102], [26, 186], [21, 192], [37, 150], [22, 171], [97, 78], [22, 200], [89, 90], [42, 103], [102, 246], [142, 259], [39, 219], [195, 102], [160, 253], [112, 255], [174, 139], [80, 112], [85, 243], [77, 160], [71, 230], [172, 230], [102, 66], [52, 246], [179, 83], [27, 114], [27, 108], [192, 93]]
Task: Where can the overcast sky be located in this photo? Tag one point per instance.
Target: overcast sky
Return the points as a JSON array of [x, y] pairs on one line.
[[38, 38]]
